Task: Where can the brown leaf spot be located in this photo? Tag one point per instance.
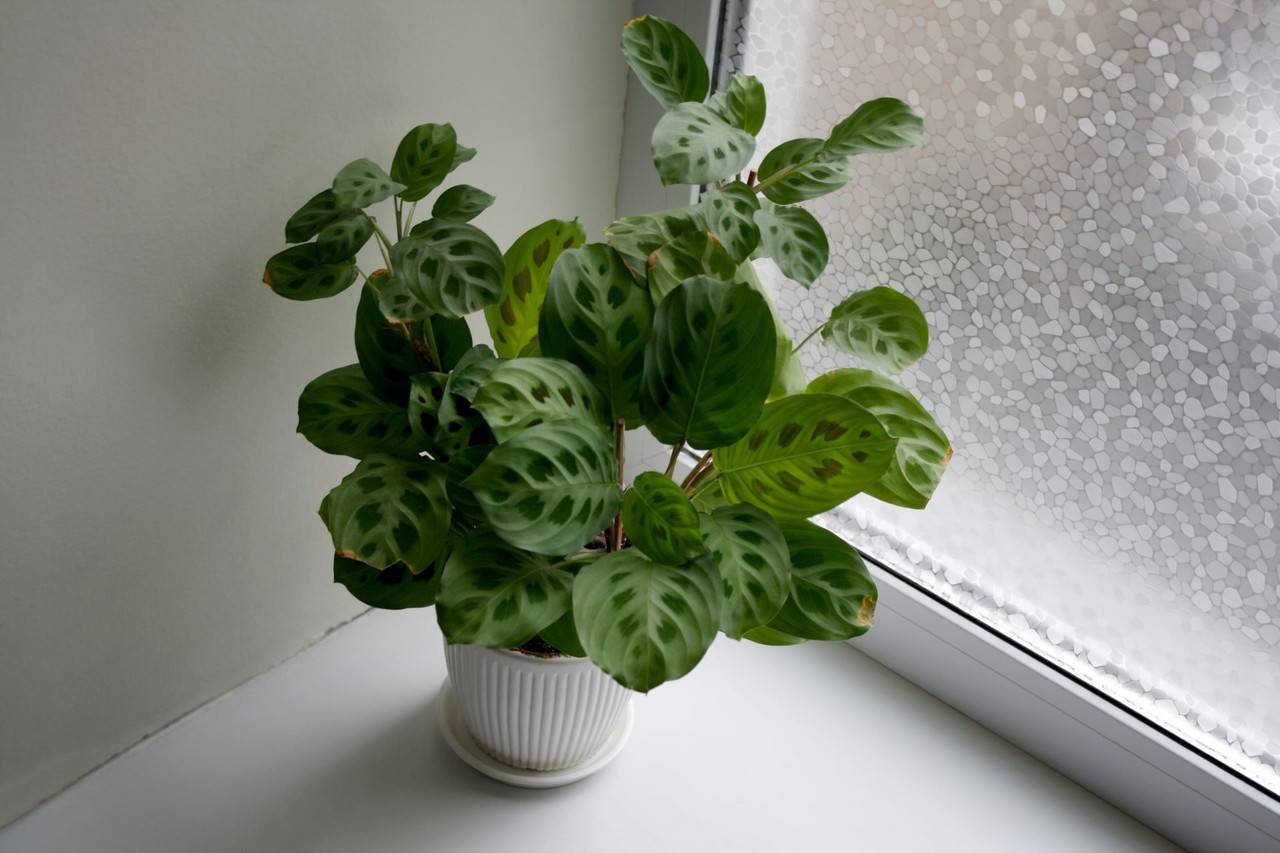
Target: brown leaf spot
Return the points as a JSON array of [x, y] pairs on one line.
[[828, 469], [828, 430], [788, 433], [757, 438], [522, 283], [541, 251], [790, 482]]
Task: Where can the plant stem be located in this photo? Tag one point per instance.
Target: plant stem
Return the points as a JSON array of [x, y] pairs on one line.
[[703, 481], [430, 334], [776, 176], [399, 229], [362, 273], [408, 218], [697, 469], [671, 463], [619, 453], [384, 245], [807, 338]]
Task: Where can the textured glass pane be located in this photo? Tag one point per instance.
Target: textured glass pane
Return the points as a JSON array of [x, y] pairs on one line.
[[1091, 228]]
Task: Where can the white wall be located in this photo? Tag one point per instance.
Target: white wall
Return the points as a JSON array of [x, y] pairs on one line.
[[157, 511]]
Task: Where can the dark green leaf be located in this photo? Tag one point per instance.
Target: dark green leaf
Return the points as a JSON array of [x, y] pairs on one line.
[[450, 268], [423, 158], [563, 635], [638, 237], [392, 588], [550, 488], [766, 636], [460, 425], [691, 254], [747, 547], [467, 514], [923, 449], [832, 594], [741, 103], [498, 596], [885, 124], [463, 154], [361, 183], [513, 318], [596, 317], [795, 241], [881, 326], [802, 169], [709, 364], [339, 412], [730, 212], [426, 391], [307, 221], [643, 622], [788, 372], [693, 145], [461, 203], [390, 353], [805, 455], [660, 521], [666, 60], [525, 392], [389, 511], [298, 273], [343, 237]]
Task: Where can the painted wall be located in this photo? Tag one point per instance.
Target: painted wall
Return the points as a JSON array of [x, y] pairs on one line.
[[157, 511]]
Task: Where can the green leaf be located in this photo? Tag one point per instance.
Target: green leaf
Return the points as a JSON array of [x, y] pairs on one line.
[[513, 319], [885, 124], [742, 103], [708, 497], [689, 255], [667, 61], [802, 169], [392, 588], [463, 154], [709, 364], [730, 211], [525, 392], [563, 635], [693, 145], [596, 317], [832, 594], [449, 268], [923, 449], [361, 183], [498, 596], [425, 155], [459, 426], [426, 391], [550, 488], [766, 636], [306, 222], [638, 237], [340, 413], [389, 353], [467, 514], [643, 622], [788, 372], [461, 203], [389, 511], [298, 273], [795, 241], [747, 547], [660, 521], [343, 237], [806, 454], [881, 326]]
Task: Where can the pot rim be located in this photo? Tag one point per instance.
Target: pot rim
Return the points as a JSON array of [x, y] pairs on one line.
[[561, 659]]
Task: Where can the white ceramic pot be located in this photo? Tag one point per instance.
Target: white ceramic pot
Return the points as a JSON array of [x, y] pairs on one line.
[[531, 712]]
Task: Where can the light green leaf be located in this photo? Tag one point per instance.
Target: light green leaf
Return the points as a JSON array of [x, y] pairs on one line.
[[498, 596], [693, 145], [525, 392], [747, 548], [666, 60], [389, 511], [741, 103], [462, 203], [730, 211], [832, 594], [461, 155], [881, 326], [766, 636], [691, 254], [551, 488], [660, 521], [513, 318], [340, 413], [596, 317], [563, 635], [425, 155], [923, 449], [805, 455], [306, 222], [298, 273], [709, 364], [795, 241], [392, 588], [885, 124], [449, 268], [361, 183], [643, 622], [343, 237], [802, 169], [638, 237]]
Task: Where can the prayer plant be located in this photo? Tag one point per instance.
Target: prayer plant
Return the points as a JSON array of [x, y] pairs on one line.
[[489, 481]]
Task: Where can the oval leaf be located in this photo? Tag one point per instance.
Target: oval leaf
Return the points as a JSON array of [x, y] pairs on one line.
[[458, 425], [709, 364], [885, 124], [741, 103], [448, 268], [344, 236], [425, 155], [923, 448], [528, 391], [693, 145], [644, 622], [498, 596], [802, 169], [695, 253], [361, 183], [563, 635], [462, 203], [597, 318], [832, 594], [321, 209], [340, 413], [805, 455], [747, 547], [795, 241], [638, 237], [667, 61], [299, 273], [660, 521], [881, 326], [389, 511], [389, 353], [392, 588], [730, 211], [550, 488], [766, 636], [513, 319]]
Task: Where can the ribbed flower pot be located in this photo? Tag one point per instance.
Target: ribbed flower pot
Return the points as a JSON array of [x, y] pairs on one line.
[[532, 713]]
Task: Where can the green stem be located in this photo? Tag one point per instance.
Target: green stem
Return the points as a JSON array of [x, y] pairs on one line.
[[697, 469], [775, 177], [399, 229], [408, 219], [807, 338], [384, 245], [619, 453], [430, 335], [704, 481], [675, 456]]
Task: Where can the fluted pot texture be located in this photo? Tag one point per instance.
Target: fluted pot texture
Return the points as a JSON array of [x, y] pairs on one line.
[[534, 712]]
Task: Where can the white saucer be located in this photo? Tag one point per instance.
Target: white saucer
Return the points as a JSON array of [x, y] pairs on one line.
[[460, 741]]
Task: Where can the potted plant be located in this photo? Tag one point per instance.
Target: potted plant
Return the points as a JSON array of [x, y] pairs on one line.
[[489, 482]]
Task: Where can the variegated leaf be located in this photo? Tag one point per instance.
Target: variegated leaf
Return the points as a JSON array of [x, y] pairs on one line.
[[747, 547], [666, 60], [339, 412], [498, 596], [462, 203], [459, 425], [562, 634], [885, 124], [513, 318], [425, 155], [299, 273], [448, 268], [525, 392], [389, 353], [392, 588], [832, 594], [637, 237], [788, 372], [881, 326], [741, 103], [693, 145], [766, 636], [801, 169], [306, 222], [730, 212], [660, 521], [361, 183], [795, 241], [343, 237], [691, 254]]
